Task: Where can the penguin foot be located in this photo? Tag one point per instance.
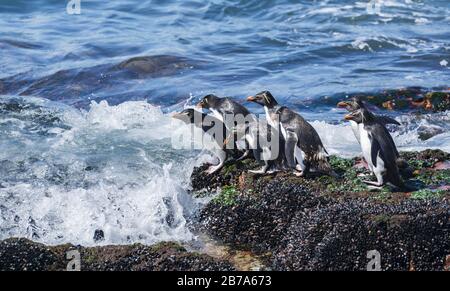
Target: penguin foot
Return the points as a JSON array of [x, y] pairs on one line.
[[299, 168], [375, 188], [372, 183], [213, 169], [299, 173], [244, 156], [261, 171], [363, 175]]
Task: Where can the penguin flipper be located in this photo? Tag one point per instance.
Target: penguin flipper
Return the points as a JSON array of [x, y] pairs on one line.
[[387, 154], [290, 144], [391, 140], [382, 141], [375, 150]]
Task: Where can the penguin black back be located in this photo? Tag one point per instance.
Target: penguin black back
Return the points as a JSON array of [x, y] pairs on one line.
[[223, 105]]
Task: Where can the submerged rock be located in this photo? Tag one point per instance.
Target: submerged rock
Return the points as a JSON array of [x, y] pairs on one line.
[[154, 65], [25, 255], [427, 132], [327, 223], [99, 80]]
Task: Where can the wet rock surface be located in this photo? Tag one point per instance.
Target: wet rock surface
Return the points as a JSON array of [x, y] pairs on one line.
[[25, 255], [327, 223]]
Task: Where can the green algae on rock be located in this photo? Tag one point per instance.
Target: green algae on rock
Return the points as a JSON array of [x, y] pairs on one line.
[[226, 196]]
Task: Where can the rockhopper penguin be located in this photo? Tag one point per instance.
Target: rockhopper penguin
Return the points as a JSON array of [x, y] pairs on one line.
[[223, 107], [206, 123], [355, 104], [269, 144], [378, 149], [303, 146]]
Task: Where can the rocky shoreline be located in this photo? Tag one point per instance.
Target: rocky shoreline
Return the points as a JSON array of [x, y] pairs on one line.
[[18, 254], [290, 223], [327, 223]]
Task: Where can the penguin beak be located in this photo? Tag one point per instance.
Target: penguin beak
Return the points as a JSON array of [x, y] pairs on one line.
[[343, 104], [348, 117], [177, 115], [251, 98]]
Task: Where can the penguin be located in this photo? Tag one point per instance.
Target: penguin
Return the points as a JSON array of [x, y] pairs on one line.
[[355, 104], [221, 107], [196, 118], [270, 153], [303, 146], [377, 148]]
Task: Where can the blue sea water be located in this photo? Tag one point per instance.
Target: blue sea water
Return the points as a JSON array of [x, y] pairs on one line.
[[85, 131]]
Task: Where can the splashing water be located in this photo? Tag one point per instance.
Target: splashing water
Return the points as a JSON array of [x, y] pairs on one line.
[[66, 173]]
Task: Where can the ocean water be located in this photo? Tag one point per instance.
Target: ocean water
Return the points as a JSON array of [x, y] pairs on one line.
[[85, 128]]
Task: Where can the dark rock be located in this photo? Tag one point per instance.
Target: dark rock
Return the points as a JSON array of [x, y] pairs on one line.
[[99, 235], [409, 235], [328, 223], [427, 132], [25, 255], [229, 174]]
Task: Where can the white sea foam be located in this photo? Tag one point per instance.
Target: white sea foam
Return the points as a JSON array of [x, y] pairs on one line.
[[113, 169]]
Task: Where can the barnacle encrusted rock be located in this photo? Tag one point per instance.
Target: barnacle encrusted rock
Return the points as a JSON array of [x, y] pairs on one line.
[[327, 223]]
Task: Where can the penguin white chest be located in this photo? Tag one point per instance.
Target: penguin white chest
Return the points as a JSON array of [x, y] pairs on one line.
[[356, 129], [269, 119], [366, 146]]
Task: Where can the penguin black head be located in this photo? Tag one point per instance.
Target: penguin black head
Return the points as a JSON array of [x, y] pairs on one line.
[[207, 102], [187, 115], [355, 115], [264, 98], [362, 115], [351, 105]]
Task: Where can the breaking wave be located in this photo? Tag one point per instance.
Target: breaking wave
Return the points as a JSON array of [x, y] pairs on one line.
[[68, 173]]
